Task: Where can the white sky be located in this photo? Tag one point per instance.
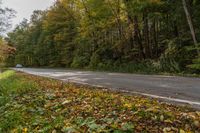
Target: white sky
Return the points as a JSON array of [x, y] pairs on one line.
[[25, 8]]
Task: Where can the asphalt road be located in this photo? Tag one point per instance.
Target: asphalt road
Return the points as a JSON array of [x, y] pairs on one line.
[[172, 88]]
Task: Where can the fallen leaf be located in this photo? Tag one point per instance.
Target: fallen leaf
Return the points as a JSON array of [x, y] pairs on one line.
[[66, 102]]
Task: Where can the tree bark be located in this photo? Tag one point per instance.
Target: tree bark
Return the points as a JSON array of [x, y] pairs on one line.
[[189, 19], [93, 35], [116, 14], [138, 37], [155, 39], [146, 35]]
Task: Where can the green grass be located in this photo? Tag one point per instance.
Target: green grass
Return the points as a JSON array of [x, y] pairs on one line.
[[12, 86]]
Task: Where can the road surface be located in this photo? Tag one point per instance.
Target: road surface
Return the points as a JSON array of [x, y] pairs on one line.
[[171, 88]]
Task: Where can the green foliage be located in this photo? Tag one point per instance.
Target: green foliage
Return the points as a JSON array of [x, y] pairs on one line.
[[10, 88], [9, 85], [168, 60], [195, 62], [95, 60], [109, 35], [80, 61], [195, 65]]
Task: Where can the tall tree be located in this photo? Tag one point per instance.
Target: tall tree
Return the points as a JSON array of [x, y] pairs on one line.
[[103, 34], [189, 19]]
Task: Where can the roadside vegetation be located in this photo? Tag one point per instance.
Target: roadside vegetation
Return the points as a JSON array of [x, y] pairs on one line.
[[34, 104]]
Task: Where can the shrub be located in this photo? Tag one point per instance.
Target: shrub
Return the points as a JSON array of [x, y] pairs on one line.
[[94, 61], [80, 62]]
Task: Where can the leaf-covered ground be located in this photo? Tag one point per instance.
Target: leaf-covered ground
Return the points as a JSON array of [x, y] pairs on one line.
[[33, 104]]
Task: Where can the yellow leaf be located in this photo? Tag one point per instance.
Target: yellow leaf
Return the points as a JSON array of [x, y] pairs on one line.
[[162, 118], [182, 131], [167, 129], [25, 130], [66, 102], [127, 105], [168, 121], [197, 124]]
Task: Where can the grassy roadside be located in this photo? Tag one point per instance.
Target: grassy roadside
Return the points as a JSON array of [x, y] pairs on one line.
[[33, 104]]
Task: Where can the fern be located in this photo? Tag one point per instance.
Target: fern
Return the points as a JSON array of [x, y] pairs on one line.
[[196, 64]]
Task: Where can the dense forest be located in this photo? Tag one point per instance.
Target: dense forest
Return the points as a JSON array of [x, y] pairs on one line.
[[116, 35]]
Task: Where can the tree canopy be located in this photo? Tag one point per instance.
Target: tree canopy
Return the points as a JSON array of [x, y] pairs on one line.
[[111, 34]]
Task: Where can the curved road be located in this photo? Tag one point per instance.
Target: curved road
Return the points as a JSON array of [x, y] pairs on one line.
[[171, 88]]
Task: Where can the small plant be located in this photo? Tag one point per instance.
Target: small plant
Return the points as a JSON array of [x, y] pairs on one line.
[[196, 64]]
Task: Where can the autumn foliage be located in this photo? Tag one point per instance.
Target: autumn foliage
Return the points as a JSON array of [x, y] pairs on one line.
[[116, 35], [44, 105]]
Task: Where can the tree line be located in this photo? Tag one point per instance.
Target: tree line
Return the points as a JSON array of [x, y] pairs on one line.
[[6, 14], [118, 35]]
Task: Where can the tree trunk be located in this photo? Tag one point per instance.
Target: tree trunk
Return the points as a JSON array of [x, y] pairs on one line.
[[146, 35], [131, 31], [116, 14], [138, 37], [155, 39], [93, 35], [176, 32], [189, 19]]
